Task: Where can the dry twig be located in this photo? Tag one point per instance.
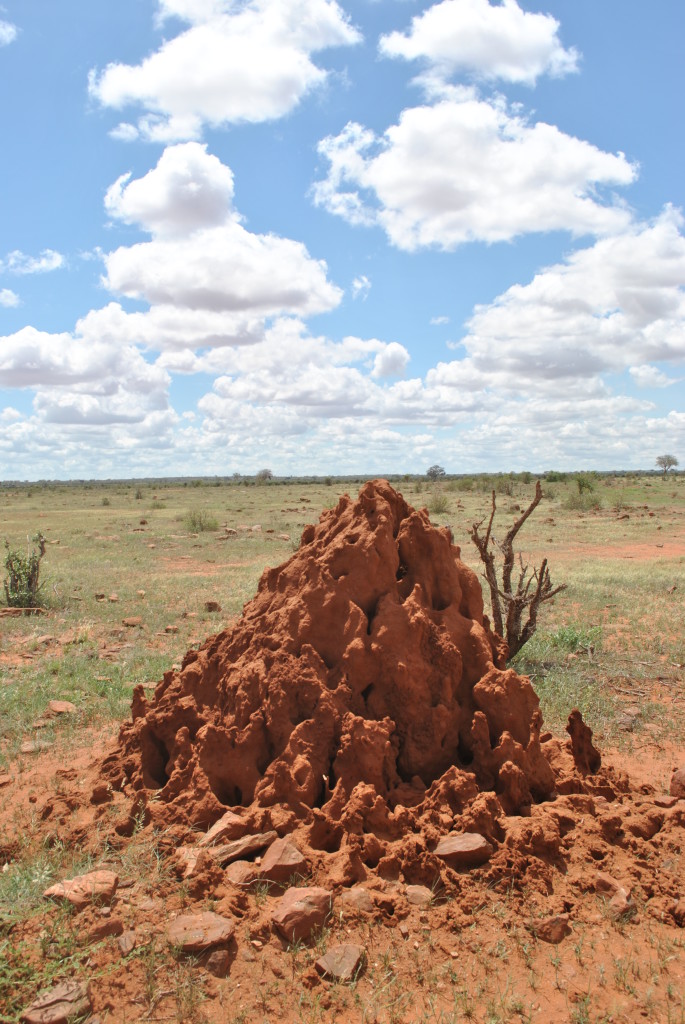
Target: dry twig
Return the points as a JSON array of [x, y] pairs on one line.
[[532, 588]]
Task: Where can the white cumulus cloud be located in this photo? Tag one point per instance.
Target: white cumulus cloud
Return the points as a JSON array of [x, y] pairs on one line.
[[492, 41], [188, 189], [17, 262], [200, 256], [618, 304], [8, 33], [8, 298], [647, 376], [235, 63], [464, 170]]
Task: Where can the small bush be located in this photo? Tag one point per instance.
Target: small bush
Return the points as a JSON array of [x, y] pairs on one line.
[[199, 521], [139, 494], [105, 501], [438, 504], [23, 586], [583, 502]]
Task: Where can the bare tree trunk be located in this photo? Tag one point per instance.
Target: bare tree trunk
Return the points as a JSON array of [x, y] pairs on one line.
[[532, 588]]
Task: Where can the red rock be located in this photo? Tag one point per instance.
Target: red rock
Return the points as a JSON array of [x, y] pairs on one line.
[[94, 886], [106, 929], [464, 850], [621, 905], [606, 885], [58, 1005], [240, 872], [131, 621], [666, 801], [357, 899], [229, 826], [341, 963], [677, 786], [218, 963], [35, 746], [194, 933], [281, 861], [243, 847], [419, 895], [301, 910], [127, 942], [553, 929], [61, 707]]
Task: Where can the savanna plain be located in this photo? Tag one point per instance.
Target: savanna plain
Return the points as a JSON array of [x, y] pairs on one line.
[[135, 574]]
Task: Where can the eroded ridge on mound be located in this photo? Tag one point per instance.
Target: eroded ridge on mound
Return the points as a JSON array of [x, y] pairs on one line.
[[361, 699]]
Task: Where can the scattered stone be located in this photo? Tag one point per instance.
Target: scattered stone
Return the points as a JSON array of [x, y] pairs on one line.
[[140, 593], [678, 912], [341, 963], [677, 787], [59, 1005], [281, 861], [212, 606], [627, 719], [187, 857], [113, 598], [357, 899], [5, 779], [35, 746], [419, 895], [171, 629], [404, 930], [194, 933], [127, 943], [300, 910], [284, 536], [218, 963], [99, 596], [665, 802], [131, 621], [257, 944], [553, 929], [240, 872], [101, 794], [61, 707], [241, 848], [229, 826], [464, 850], [105, 929], [606, 885], [621, 906], [85, 889]]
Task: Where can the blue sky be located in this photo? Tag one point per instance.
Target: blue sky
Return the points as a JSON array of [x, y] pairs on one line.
[[326, 237]]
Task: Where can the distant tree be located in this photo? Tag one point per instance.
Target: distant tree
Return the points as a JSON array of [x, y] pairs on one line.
[[263, 475], [435, 473], [584, 483], [666, 462]]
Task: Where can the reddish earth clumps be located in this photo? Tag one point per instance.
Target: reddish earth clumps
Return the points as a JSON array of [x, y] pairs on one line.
[[362, 707]]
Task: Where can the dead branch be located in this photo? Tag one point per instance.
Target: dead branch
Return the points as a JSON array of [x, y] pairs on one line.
[[532, 589]]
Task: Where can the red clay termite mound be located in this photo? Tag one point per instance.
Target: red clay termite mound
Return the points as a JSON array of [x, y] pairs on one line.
[[362, 694]]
